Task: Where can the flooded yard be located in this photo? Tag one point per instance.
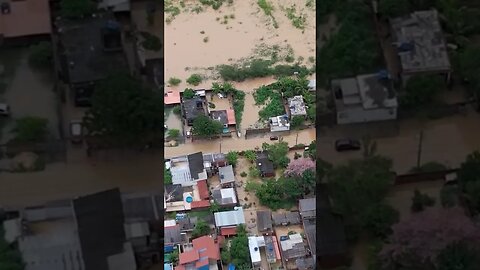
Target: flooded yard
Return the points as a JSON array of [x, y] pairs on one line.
[[29, 93], [172, 120]]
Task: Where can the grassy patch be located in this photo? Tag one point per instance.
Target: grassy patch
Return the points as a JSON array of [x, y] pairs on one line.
[[259, 68], [215, 4], [174, 81], [171, 9], [268, 10], [297, 20], [200, 214]]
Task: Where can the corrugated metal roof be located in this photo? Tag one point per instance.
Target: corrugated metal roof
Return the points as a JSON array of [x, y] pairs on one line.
[[226, 174], [229, 218]]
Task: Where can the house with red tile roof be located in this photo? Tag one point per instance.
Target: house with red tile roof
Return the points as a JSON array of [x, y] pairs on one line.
[[202, 254]]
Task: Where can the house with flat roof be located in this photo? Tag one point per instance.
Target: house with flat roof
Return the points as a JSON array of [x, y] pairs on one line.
[[171, 97], [231, 218], [296, 106], [264, 164], [20, 19], [264, 221], [89, 50], [420, 44], [225, 197], [193, 108], [186, 170], [202, 254], [226, 175], [364, 98], [279, 123]]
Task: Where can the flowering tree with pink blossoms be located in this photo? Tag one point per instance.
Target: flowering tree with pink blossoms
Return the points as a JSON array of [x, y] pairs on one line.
[[416, 242], [297, 167]]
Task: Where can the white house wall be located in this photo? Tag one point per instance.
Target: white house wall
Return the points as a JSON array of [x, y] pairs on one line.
[[359, 115]]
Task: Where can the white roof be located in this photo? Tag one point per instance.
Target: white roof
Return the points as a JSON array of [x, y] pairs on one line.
[[169, 223], [254, 247], [230, 218], [312, 84], [228, 193], [293, 239]]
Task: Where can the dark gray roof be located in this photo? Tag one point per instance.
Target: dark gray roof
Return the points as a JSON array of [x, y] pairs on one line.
[[174, 193], [188, 223], [220, 116], [264, 220], [214, 157], [331, 233], [195, 164], [310, 230], [142, 207], [84, 56], [286, 218], [100, 227], [193, 108], [264, 164], [305, 263], [172, 235], [307, 207], [298, 250]]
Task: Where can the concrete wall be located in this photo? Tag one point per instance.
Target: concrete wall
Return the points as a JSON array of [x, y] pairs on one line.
[[359, 115]]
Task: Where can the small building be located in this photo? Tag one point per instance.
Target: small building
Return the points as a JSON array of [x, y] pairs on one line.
[[193, 108], [305, 263], [293, 247], [171, 97], [296, 106], [226, 175], [186, 170], [202, 254], [365, 98], [226, 117], [307, 208], [265, 165], [279, 123], [254, 244], [24, 19], [172, 235], [286, 218], [231, 218], [225, 197], [420, 44], [89, 50], [214, 160], [264, 221]]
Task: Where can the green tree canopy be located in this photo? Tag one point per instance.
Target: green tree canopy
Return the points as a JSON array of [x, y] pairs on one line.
[[232, 158], [167, 176], [201, 228], [125, 112], [277, 153], [76, 9], [358, 187], [421, 90], [205, 126], [239, 252]]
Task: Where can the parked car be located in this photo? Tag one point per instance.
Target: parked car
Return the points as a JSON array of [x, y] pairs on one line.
[[283, 238], [76, 131], [273, 138], [4, 109], [347, 145]]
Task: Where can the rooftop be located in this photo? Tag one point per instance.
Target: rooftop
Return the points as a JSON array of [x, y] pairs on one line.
[[193, 108], [293, 247], [141, 206], [254, 244], [224, 196], [171, 97], [203, 248], [264, 164], [286, 218], [297, 106], [226, 117], [370, 91], [420, 41], [86, 48], [279, 121], [230, 218], [226, 174], [307, 207], [172, 235], [26, 18], [173, 193], [264, 220]]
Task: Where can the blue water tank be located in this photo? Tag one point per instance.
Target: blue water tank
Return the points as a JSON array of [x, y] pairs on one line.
[[231, 267]]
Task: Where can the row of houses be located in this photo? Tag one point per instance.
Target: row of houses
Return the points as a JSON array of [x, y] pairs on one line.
[[420, 48], [102, 231]]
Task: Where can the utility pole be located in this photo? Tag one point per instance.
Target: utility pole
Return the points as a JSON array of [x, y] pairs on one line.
[[296, 139], [419, 154]]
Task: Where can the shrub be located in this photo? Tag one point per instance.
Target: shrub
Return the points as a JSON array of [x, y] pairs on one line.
[[177, 110], [232, 158], [420, 201], [297, 121], [243, 174], [194, 79], [173, 133], [188, 93], [250, 155], [253, 172], [31, 129], [174, 81]]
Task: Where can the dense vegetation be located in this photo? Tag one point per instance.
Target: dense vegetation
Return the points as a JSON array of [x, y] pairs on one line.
[[204, 126], [238, 97]]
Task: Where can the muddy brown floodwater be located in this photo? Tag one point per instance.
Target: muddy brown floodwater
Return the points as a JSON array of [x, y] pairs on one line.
[[185, 46]]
